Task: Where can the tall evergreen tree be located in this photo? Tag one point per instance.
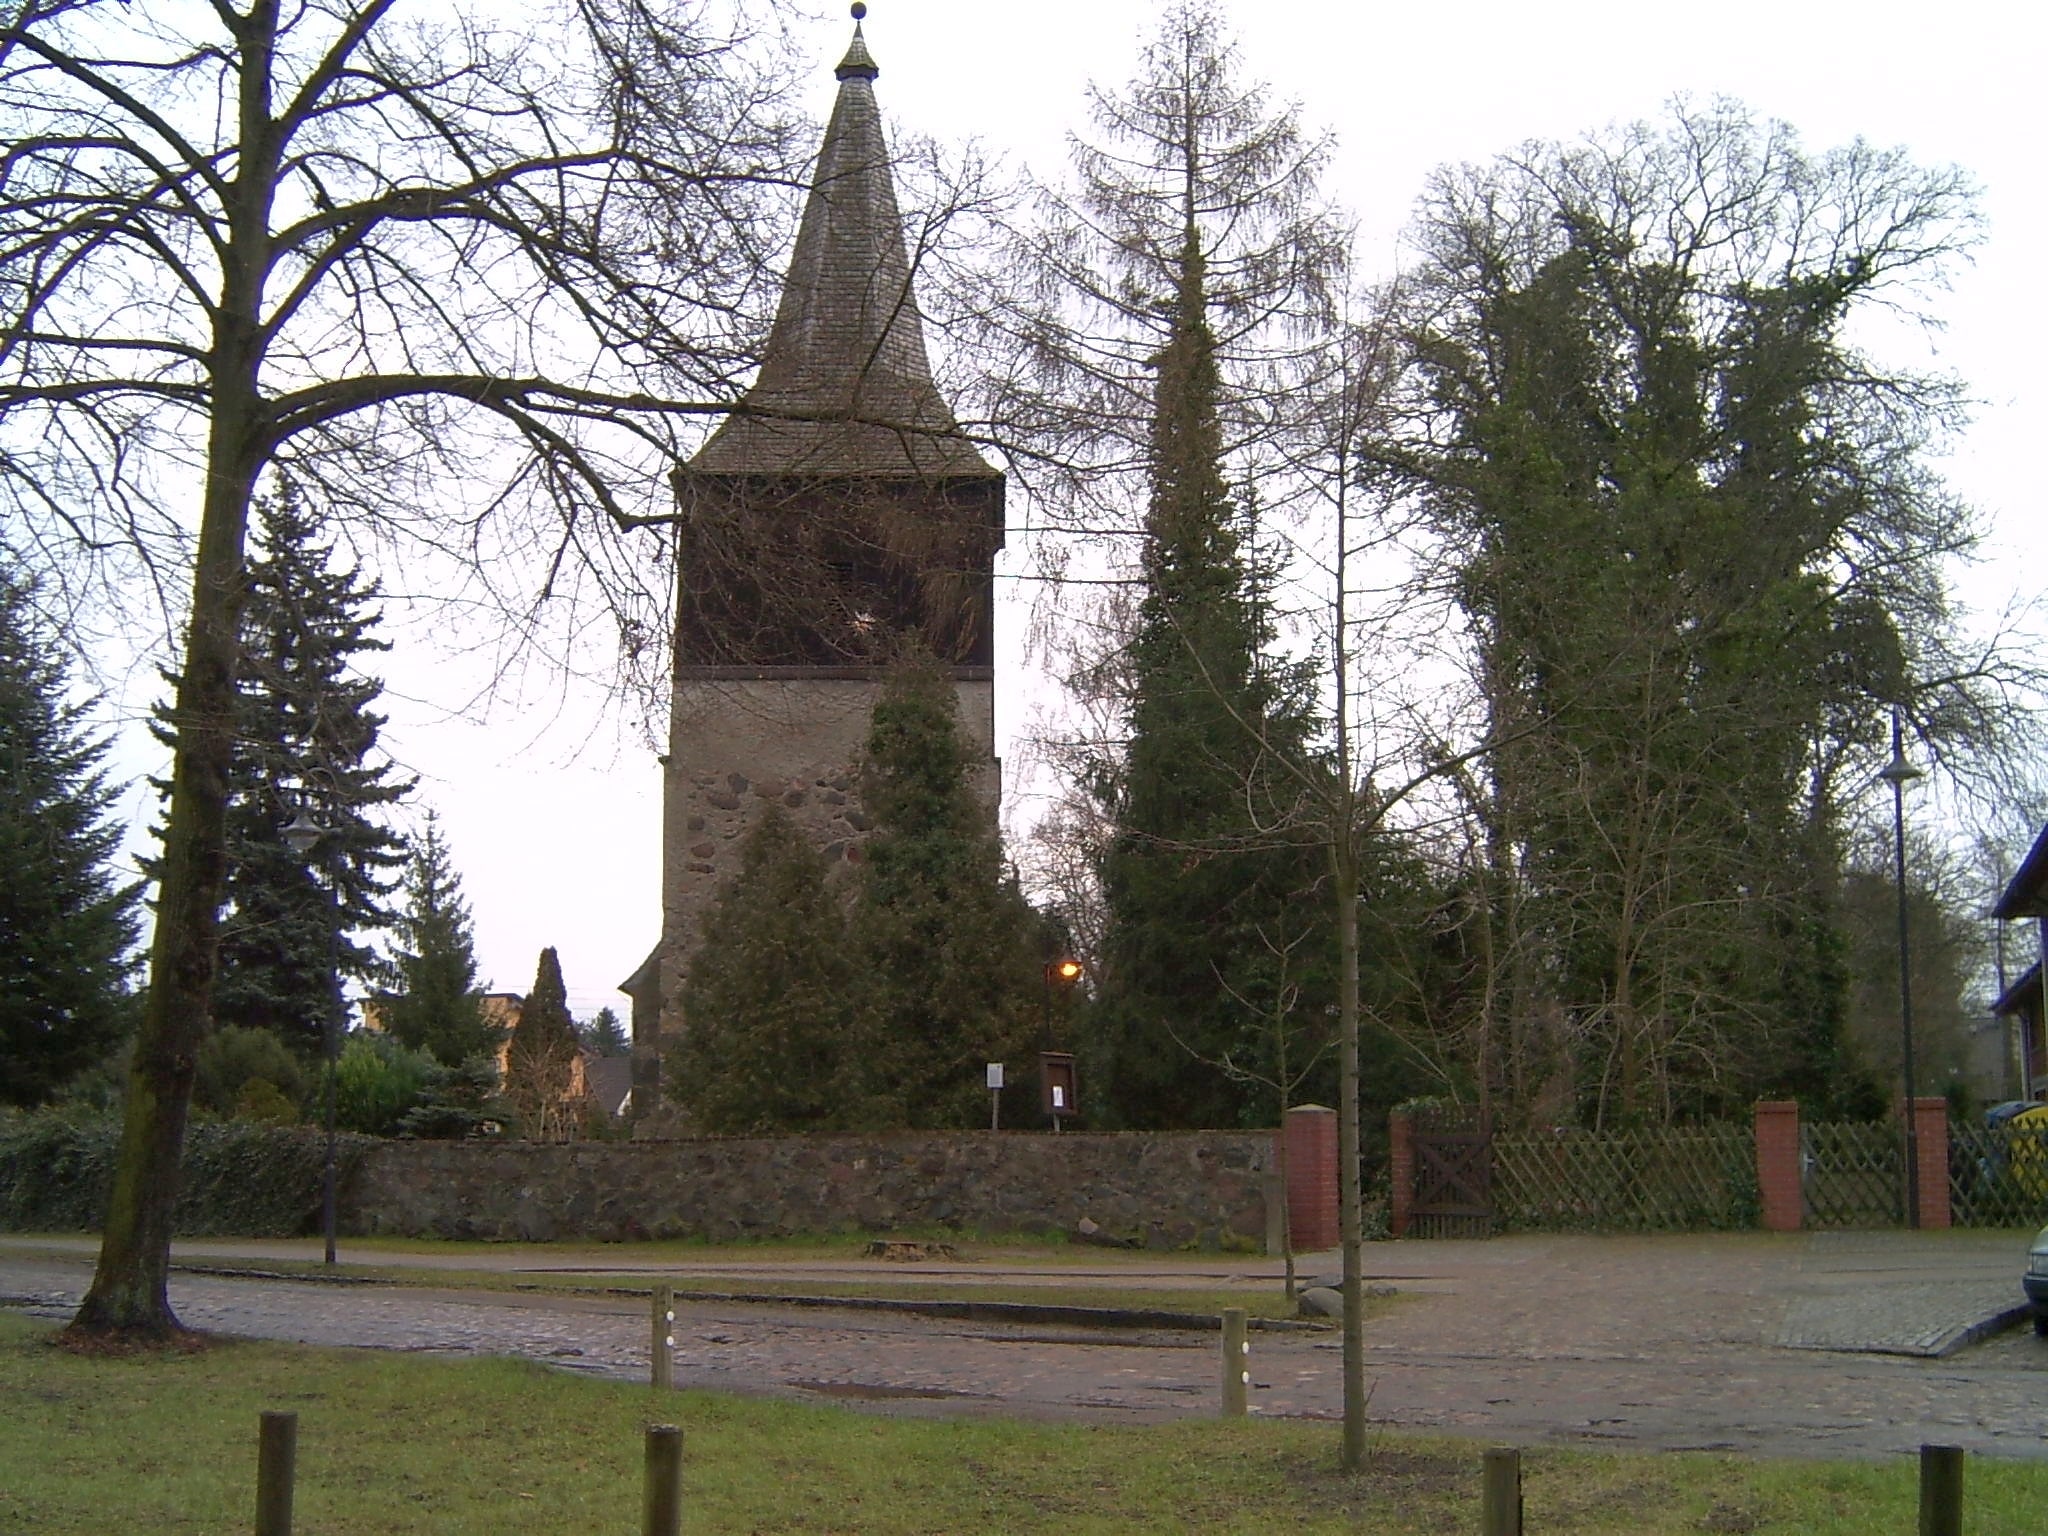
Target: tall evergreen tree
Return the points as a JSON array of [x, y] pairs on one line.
[[948, 949], [67, 923], [1209, 863], [541, 1060], [768, 1002], [604, 1035], [305, 738], [435, 1009], [1205, 200]]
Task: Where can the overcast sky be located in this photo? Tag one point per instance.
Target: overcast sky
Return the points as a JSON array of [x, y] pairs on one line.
[[553, 810]]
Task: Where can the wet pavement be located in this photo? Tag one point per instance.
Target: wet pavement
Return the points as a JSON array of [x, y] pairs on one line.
[[1821, 1344]]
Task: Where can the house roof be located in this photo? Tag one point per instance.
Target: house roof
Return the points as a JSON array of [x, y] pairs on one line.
[[2021, 994], [609, 1079], [845, 368], [2027, 894]]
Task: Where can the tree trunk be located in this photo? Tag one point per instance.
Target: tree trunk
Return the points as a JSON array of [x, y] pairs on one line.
[[1349, 1231], [128, 1293]]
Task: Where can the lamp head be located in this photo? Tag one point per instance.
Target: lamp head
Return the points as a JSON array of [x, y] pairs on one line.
[[302, 832], [1898, 772]]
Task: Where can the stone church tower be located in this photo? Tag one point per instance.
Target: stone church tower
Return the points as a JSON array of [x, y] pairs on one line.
[[835, 515]]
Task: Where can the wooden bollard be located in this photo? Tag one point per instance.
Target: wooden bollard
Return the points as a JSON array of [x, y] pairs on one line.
[[1500, 1492], [1941, 1490], [277, 1451], [1237, 1364], [663, 1508], [662, 1356]]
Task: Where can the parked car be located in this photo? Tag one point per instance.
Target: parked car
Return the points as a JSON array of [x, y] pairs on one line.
[[2036, 1281]]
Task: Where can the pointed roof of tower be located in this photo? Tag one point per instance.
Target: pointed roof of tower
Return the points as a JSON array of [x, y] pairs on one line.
[[845, 370]]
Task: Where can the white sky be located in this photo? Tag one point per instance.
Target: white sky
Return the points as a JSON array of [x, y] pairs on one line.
[[553, 812]]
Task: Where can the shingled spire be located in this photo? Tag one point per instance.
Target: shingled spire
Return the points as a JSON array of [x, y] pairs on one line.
[[834, 519], [845, 386]]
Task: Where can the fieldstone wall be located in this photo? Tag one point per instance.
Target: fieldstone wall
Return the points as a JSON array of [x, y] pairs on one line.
[[1168, 1190]]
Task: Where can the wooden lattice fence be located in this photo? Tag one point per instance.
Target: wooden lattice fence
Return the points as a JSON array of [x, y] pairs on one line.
[[1853, 1174], [1998, 1176], [1683, 1179]]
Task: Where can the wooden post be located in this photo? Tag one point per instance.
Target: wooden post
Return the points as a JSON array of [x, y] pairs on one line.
[[663, 1509], [1941, 1490], [1500, 1493], [1237, 1364], [662, 1355], [277, 1451]]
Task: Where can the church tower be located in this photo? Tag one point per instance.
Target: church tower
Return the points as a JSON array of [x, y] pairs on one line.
[[835, 516]]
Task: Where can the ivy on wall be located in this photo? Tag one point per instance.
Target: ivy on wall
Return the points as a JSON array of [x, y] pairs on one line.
[[240, 1179]]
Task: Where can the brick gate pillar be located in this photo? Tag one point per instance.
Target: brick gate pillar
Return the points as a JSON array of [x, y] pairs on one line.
[[1311, 1133], [1930, 1120], [1777, 1165], [1400, 1171]]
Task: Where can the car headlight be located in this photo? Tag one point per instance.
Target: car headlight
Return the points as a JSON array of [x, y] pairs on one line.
[[2037, 1261]]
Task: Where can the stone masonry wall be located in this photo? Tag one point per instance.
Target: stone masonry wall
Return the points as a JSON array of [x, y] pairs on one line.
[[1201, 1188]]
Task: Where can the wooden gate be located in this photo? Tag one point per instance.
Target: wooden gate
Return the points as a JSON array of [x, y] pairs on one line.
[[1853, 1175], [1453, 1175]]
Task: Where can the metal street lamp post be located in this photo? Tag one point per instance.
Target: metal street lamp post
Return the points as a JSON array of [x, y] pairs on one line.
[[1899, 773], [301, 835]]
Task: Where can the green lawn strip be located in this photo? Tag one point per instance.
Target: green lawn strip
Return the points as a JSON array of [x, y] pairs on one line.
[[401, 1443]]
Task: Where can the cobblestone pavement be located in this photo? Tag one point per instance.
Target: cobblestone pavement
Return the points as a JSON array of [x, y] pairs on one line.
[[1757, 1344]]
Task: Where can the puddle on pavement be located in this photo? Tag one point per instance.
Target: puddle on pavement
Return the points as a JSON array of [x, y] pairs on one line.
[[875, 1391]]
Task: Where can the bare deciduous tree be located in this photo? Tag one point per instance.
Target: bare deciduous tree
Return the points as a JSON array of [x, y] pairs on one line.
[[465, 280]]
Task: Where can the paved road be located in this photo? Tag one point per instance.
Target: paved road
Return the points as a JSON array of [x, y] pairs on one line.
[[1824, 1344]]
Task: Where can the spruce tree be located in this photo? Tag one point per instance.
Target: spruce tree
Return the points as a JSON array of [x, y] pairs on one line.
[[305, 738], [67, 923], [948, 949], [540, 1063], [435, 1009], [768, 999], [604, 1035]]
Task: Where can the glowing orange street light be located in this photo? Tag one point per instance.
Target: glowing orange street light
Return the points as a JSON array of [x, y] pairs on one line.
[[1064, 971]]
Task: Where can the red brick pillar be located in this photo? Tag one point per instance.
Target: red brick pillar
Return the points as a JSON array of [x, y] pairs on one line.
[[1311, 1177], [1777, 1165], [1400, 1171], [1930, 1119]]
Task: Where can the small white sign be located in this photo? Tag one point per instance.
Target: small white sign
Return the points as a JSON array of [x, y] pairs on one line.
[[1059, 1097], [995, 1074]]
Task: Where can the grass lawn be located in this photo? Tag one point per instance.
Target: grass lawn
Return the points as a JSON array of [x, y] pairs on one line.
[[400, 1443]]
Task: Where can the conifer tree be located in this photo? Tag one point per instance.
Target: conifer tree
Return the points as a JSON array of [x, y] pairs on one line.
[[1207, 856], [306, 734], [67, 924], [948, 949], [435, 1009], [768, 1000], [540, 1062], [604, 1035]]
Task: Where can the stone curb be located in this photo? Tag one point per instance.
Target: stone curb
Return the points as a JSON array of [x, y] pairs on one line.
[[1937, 1343], [963, 1311]]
